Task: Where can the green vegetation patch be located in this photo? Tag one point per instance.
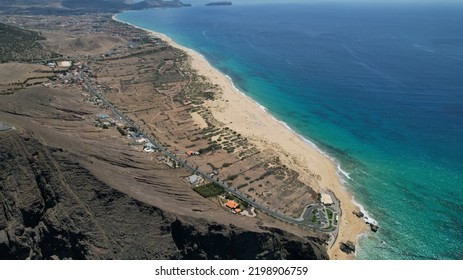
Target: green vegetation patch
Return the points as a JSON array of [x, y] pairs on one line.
[[231, 177], [212, 147], [122, 131], [314, 217], [209, 190], [329, 213]]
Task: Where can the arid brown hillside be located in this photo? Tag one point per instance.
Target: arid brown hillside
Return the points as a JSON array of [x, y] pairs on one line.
[[71, 190], [20, 45], [51, 207]]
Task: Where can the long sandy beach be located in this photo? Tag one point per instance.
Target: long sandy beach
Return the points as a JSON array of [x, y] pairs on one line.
[[248, 118]]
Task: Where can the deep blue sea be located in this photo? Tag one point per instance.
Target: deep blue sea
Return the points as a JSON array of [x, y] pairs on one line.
[[378, 87]]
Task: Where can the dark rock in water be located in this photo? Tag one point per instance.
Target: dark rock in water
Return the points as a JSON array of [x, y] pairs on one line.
[[347, 247], [374, 228], [359, 214]]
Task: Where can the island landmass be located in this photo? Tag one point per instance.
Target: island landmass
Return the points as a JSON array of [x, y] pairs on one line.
[[151, 124], [220, 3]]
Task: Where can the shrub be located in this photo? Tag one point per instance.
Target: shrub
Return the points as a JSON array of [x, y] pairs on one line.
[[232, 177], [122, 131], [242, 185]]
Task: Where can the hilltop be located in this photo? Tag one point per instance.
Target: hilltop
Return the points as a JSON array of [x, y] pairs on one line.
[[63, 7], [17, 44]]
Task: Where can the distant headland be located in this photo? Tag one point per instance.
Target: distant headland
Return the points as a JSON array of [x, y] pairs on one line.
[[220, 3]]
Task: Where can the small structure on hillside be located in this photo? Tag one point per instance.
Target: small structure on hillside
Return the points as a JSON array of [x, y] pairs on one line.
[[5, 127], [195, 179], [149, 148], [103, 120], [121, 124], [64, 64], [233, 206], [192, 153], [102, 116], [140, 140]]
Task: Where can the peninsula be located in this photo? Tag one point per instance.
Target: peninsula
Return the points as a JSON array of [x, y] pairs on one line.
[[220, 3]]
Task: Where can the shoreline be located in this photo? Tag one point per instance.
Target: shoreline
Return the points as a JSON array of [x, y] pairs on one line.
[[246, 116]]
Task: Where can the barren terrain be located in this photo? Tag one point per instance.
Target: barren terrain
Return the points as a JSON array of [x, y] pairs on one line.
[[70, 188], [73, 190]]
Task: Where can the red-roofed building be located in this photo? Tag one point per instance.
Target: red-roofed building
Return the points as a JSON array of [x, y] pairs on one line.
[[231, 204], [192, 153]]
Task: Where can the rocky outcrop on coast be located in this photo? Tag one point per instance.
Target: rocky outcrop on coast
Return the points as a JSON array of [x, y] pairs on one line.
[[347, 247], [360, 215]]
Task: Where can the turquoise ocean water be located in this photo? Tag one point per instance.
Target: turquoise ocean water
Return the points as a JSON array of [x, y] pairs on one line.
[[377, 87]]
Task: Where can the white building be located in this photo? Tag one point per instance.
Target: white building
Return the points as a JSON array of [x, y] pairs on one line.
[[64, 64], [326, 199]]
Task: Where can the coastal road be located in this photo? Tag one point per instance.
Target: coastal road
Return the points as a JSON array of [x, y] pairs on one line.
[[303, 221]]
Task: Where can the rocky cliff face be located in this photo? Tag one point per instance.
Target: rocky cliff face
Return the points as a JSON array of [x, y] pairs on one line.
[[53, 208]]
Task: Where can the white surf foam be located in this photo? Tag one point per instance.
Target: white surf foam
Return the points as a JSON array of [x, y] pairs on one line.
[[367, 217], [343, 172]]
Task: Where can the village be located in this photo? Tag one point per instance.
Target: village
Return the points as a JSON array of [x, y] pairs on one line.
[[323, 215]]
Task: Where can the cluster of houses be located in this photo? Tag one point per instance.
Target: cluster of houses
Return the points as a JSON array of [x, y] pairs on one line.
[[71, 77], [67, 73], [105, 121], [139, 139], [195, 180], [94, 100]]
